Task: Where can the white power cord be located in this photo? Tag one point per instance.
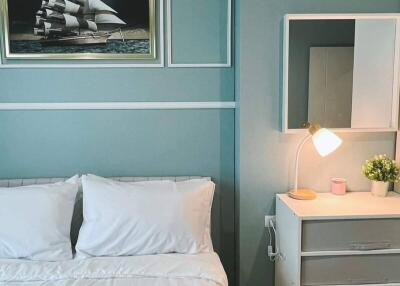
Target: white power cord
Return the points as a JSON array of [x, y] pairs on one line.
[[273, 256]]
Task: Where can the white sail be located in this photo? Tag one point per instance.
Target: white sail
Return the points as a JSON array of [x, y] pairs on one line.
[[71, 21], [107, 18], [98, 5], [53, 14], [92, 26], [38, 32], [74, 22], [59, 18], [63, 6], [71, 7], [47, 15], [71, 25], [39, 21], [50, 28]]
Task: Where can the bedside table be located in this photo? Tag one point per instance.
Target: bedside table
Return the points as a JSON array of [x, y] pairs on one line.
[[338, 240]]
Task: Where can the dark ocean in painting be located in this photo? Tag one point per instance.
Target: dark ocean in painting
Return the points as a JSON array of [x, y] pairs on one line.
[[112, 47]]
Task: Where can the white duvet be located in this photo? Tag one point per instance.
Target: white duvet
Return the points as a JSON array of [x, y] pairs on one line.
[[152, 270]]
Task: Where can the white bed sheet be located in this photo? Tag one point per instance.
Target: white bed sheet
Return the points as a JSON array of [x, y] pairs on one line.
[[151, 270]]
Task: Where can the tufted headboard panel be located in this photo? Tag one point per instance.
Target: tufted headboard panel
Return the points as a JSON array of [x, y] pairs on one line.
[[78, 215], [26, 182]]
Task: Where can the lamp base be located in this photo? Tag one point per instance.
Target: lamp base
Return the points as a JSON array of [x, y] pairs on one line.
[[302, 194]]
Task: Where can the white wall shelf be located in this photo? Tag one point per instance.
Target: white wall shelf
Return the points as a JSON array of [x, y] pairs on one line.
[[367, 16]]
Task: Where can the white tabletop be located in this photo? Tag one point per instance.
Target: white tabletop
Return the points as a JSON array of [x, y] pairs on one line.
[[351, 205]]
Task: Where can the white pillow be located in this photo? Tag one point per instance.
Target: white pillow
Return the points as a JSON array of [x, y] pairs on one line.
[[142, 218], [35, 221]]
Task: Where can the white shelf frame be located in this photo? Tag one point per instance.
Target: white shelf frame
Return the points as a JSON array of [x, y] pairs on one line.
[[228, 63], [396, 83]]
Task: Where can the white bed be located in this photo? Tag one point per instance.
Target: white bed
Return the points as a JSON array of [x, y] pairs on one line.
[[152, 270]]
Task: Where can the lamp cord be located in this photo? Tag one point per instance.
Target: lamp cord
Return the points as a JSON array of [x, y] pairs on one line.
[[273, 256]]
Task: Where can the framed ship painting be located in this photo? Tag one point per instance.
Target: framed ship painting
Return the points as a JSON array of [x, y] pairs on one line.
[[78, 29]]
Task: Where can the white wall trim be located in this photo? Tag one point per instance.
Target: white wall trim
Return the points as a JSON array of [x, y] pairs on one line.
[[160, 52], [344, 130], [396, 83], [200, 65], [119, 105], [80, 66], [338, 16]]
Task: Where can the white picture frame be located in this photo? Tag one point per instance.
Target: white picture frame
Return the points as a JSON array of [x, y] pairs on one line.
[[158, 62], [170, 61]]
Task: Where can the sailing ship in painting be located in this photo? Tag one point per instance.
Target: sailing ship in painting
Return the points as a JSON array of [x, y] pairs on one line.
[[76, 22], [78, 29]]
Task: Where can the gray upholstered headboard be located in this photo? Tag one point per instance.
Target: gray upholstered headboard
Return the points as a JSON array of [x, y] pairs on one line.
[[78, 216], [25, 182]]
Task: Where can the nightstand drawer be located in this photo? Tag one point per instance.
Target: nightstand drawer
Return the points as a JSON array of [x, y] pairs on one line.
[[371, 234], [350, 270]]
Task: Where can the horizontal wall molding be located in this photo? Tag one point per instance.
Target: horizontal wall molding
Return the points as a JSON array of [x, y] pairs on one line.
[[119, 105]]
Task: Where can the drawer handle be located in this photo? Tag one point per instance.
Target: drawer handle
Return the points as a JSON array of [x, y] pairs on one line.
[[368, 281], [370, 245]]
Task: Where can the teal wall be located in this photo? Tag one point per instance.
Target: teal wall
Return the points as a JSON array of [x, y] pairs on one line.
[[189, 47], [131, 142], [136, 84], [265, 155], [183, 142]]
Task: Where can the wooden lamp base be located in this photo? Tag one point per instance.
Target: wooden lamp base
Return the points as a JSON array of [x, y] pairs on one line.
[[302, 194]]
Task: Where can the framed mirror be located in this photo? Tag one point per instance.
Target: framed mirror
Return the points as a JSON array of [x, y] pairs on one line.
[[341, 71]]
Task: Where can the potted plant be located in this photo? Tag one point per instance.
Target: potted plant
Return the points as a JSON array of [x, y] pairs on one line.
[[381, 170]]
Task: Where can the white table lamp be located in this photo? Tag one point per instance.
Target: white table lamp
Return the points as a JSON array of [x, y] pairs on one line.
[[325, 142]]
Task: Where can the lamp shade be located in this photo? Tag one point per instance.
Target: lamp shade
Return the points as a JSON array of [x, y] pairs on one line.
[[325, 141]]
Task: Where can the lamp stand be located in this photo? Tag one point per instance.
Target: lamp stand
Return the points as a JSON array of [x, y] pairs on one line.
[[301, 194]]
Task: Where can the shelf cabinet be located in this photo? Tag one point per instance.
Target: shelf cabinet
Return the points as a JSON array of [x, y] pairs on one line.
[[338, 240]]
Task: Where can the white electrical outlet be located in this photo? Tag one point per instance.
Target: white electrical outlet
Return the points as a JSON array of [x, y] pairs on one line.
[[269, 218]]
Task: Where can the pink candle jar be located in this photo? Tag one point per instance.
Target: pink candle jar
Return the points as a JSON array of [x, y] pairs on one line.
[[338, 186]]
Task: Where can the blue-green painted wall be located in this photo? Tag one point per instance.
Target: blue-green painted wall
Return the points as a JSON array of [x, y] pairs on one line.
[[131, 142], [140, 84], [182, 142], [189, 47], [127, 143], [264, 154]]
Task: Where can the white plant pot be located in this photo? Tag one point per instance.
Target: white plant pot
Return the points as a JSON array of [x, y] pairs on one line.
[[379, 189]]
